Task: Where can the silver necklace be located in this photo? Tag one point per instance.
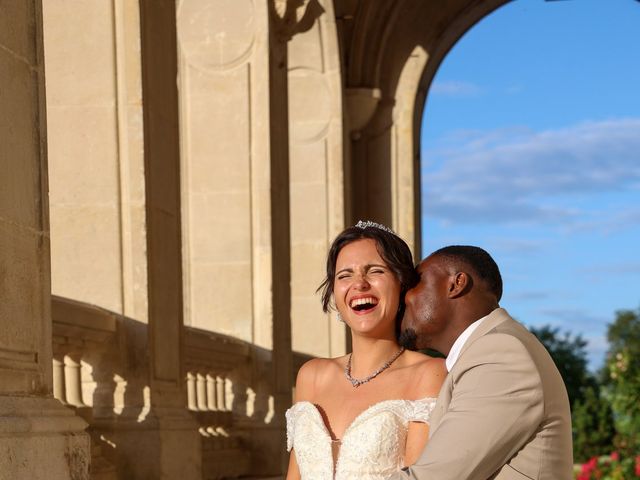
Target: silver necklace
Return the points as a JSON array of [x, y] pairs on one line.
[[357, 382]]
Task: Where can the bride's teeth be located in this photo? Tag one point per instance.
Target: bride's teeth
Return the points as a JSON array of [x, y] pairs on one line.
[[363, 301]]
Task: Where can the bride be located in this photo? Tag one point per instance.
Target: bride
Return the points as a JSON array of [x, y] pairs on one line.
[[364, 415]]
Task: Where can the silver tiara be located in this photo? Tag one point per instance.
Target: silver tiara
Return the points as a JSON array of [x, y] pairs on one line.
[[368, 223]]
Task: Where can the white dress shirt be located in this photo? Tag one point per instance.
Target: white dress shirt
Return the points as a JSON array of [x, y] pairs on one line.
[[452, 358]]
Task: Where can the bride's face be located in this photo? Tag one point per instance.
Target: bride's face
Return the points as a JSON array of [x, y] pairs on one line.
[[366, 291]]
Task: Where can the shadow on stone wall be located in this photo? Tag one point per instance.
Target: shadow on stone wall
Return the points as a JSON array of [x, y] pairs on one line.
[[101, 370]]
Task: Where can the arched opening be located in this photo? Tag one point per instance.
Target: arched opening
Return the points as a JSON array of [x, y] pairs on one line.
[[529, 149]]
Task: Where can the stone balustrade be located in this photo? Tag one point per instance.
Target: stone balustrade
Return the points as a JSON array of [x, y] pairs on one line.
[[79, 331], [81, 334], [216, 385], [99, 360]]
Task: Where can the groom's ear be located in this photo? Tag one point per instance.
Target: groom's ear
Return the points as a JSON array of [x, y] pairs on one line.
[[459, 284]]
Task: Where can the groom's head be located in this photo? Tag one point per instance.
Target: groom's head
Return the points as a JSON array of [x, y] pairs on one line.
[[458, 285]]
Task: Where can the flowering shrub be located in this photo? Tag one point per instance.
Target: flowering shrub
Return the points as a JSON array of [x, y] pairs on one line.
[[609, 467]]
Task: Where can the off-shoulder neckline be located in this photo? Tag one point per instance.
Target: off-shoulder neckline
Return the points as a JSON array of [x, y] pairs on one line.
[[358, 418]]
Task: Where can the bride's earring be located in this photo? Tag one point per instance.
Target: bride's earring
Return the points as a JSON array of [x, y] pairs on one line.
[[339, 317]]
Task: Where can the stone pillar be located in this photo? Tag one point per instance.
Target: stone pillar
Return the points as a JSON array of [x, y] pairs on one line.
[[39, 437], [278, 333], [317, 186], [168, 447], [405, 153], [235, 166]]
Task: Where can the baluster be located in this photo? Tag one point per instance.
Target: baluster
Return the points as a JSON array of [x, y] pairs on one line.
[[59, 381], [220, 394], [228, 394], [73, 385], [212, 400], [201, 392], [191, 392]]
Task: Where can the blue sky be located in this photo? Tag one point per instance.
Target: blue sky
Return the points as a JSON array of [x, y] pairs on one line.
[[531, 149]]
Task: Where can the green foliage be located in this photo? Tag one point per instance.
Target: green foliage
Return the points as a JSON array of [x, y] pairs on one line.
[[605, 410], [592, 417], [623, 380], [593, 431], [624, 333], [570, 356]]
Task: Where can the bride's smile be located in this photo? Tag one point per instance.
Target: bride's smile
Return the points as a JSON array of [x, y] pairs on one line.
[[363, 304]]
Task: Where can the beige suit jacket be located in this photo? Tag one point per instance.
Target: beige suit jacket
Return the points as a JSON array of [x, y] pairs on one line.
[[502, 413]]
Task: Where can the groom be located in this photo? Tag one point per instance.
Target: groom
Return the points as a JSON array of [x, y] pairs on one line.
[[503, 411]]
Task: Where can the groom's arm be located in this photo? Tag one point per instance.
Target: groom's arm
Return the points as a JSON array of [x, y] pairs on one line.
[[496, 406]]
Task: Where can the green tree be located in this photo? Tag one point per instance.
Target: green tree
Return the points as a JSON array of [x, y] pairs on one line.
[[570, 356], [592, 418], [593, 430], [624, 333], [623, 379]]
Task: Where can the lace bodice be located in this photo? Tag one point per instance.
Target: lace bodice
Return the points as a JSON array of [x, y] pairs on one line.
[[372, 447]]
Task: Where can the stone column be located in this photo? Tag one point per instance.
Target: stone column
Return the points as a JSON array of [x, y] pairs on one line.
[[235, 176], [405, 153], [279, 201], [39, 437], [316, 159], [168, 444]]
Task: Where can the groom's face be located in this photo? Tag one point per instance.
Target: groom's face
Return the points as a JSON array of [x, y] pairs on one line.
[[426, 311]]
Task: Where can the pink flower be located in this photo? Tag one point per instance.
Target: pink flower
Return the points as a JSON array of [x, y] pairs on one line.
[[587, 468], [615, 456]]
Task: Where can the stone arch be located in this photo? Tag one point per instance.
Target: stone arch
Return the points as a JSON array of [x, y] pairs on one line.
[[393, 51]]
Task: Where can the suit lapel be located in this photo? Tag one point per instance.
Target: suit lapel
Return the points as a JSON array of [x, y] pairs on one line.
[[495, 318], [492, 320]]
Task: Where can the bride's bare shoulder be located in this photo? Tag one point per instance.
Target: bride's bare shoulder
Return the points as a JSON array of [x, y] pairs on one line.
[[320, 366], [421, 360], [315, 374], [427, 372]]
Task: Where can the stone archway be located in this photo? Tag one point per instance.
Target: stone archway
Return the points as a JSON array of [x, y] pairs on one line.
[[392, 51]]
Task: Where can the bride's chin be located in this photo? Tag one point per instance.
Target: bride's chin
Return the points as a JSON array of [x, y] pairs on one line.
[[372, 330]]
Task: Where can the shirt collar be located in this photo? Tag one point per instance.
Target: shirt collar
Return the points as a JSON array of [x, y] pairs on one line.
[[454, 353]]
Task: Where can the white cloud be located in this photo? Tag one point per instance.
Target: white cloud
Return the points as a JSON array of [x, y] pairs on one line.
[[516, 175], [607, 222], [573, 316], [518, 245], [532, 295], [453, 88], [629, 268]]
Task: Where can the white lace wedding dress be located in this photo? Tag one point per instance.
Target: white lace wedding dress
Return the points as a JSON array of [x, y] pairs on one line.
[[371, 448]]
